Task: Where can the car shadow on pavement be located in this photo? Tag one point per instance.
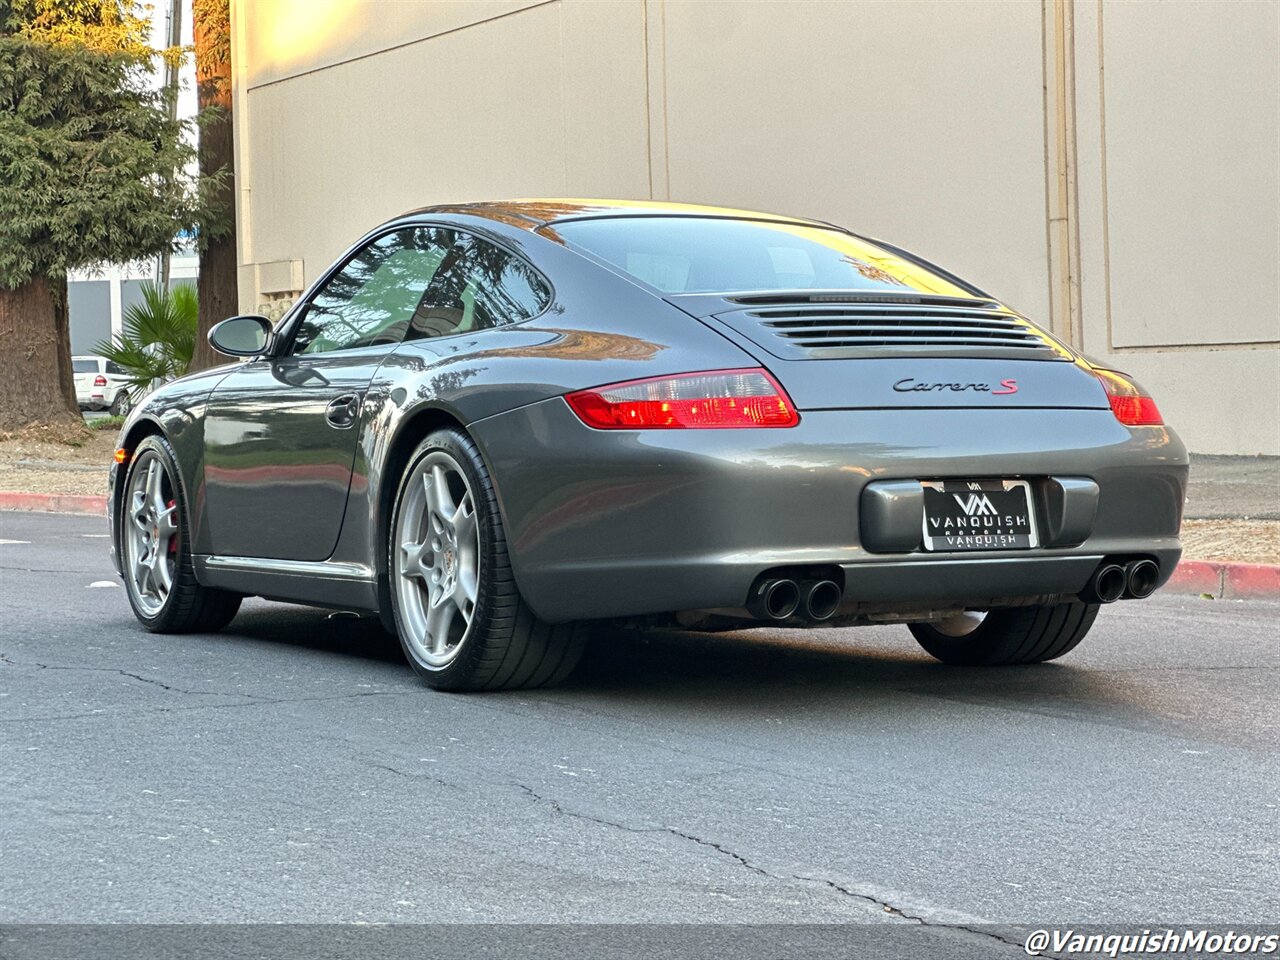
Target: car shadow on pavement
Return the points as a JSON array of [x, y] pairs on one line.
[[845, 676], [847, 673], [341, 632]]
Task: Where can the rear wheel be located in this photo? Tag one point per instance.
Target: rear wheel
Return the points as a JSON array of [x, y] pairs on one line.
[[1017, 635], [155, 550], [461, 621], [121, 405]]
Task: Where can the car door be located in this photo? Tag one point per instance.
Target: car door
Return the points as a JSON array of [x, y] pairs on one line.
[[281, 432]]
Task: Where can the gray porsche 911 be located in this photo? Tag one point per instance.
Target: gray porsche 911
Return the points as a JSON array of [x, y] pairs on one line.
[[495, 423]]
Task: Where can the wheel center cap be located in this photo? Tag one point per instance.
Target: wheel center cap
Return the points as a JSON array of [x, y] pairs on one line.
[[449, 562]]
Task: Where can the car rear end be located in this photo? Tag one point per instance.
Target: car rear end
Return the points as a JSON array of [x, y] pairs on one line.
[[91, 382], [943, 454]]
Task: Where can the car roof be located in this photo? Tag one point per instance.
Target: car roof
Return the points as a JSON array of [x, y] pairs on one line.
[[530, 214]]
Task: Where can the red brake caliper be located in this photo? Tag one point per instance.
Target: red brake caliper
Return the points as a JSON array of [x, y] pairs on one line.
[[173, 541]]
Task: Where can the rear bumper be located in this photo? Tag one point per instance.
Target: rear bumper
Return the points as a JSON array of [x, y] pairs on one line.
[[620, 523]]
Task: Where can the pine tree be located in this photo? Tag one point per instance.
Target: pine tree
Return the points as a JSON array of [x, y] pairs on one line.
[[91, 170]]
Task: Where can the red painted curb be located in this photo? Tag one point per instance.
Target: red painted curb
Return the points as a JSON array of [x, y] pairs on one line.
[[1226, 581], [53, 503]]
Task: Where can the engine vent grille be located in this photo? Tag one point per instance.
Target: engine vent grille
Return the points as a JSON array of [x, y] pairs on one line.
[[908, 326]]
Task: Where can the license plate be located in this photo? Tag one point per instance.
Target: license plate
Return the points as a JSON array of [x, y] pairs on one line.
[[978, 515]]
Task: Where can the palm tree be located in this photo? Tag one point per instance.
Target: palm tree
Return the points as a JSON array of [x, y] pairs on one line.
[[158, 339]]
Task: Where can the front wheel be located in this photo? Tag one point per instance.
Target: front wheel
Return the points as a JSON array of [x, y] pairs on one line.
[[460, 618], [1015, 635], [155, 549]]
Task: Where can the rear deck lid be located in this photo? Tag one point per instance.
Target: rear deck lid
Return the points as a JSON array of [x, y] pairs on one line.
[[841, 350]]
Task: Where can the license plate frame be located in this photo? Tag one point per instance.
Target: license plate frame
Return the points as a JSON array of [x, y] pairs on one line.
[[965, 518]]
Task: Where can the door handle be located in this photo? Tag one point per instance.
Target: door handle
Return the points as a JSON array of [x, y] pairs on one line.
[[341, 413]]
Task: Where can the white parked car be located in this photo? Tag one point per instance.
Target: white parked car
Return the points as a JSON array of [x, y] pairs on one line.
[[101, 385]]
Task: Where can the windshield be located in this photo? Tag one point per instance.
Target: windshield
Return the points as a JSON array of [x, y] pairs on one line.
[[708, 255]]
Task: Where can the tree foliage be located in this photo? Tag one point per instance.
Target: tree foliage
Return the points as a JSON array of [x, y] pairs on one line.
[[91, 167], [159, 336]]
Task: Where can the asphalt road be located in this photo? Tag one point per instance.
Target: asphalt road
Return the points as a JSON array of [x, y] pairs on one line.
[[292, 769]]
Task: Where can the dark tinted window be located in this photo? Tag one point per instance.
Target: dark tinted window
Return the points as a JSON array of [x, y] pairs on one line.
[[84, 366], [707, 255], [373, 298], [115, 368], [478, 285]]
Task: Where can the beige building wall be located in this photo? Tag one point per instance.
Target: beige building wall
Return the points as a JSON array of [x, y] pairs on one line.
[[1111, 169]]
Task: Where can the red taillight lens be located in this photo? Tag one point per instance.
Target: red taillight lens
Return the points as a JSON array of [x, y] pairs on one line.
[[99, 381], [1131, 404], [711, 400]]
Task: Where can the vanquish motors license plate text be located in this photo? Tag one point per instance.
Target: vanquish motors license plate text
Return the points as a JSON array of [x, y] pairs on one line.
[[978, 515]]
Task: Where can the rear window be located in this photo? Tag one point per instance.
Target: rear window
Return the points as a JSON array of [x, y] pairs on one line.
[[84, 366], [705, 255]]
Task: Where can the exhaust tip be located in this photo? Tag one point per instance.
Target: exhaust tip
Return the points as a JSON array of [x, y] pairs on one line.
[[780, 598], [1108, 584], [822, 600], [1141, 577]]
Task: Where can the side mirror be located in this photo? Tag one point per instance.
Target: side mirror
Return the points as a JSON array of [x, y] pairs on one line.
[[245, 336]]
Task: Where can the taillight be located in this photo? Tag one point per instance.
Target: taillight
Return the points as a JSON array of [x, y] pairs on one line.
[[99, 381], [710, 400], [1131, 404]]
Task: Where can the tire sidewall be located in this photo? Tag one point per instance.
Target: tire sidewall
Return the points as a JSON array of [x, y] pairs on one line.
[[156, 448], [458, 670], [1005, 637]]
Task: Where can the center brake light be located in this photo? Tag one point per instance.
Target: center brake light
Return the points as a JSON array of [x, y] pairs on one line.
[[708, 400]]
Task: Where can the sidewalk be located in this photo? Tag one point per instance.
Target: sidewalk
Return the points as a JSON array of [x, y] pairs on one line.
[[1233, 509]]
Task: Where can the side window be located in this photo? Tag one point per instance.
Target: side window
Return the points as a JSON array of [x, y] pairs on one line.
[[372, 299], [478, 285], [115, 368]]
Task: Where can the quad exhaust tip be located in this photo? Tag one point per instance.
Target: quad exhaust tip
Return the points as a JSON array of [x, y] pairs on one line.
[[775, 599], [1108, 583], [1135, 580], [781, 598], [821, 599], [1141, 578]]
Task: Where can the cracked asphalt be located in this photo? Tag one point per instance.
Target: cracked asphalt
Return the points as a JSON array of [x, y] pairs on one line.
[[291, 768]]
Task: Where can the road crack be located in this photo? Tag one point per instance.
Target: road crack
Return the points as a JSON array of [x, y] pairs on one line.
[[888, 908], [132, 676], [255, 702]]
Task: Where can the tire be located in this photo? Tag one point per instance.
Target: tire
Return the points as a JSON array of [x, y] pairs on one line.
[[462, 624], [165, 597], [1016, 635], [121, 405]]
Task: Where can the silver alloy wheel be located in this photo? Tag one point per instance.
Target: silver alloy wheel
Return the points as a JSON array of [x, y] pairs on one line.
[[960, 624], [437, 559], [151, 530]]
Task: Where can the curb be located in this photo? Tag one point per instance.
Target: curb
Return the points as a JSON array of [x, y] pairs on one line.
[[1225, 581], [53, 503], [1219, 580]]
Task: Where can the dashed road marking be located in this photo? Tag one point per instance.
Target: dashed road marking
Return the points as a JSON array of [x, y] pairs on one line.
[[14, 541]]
